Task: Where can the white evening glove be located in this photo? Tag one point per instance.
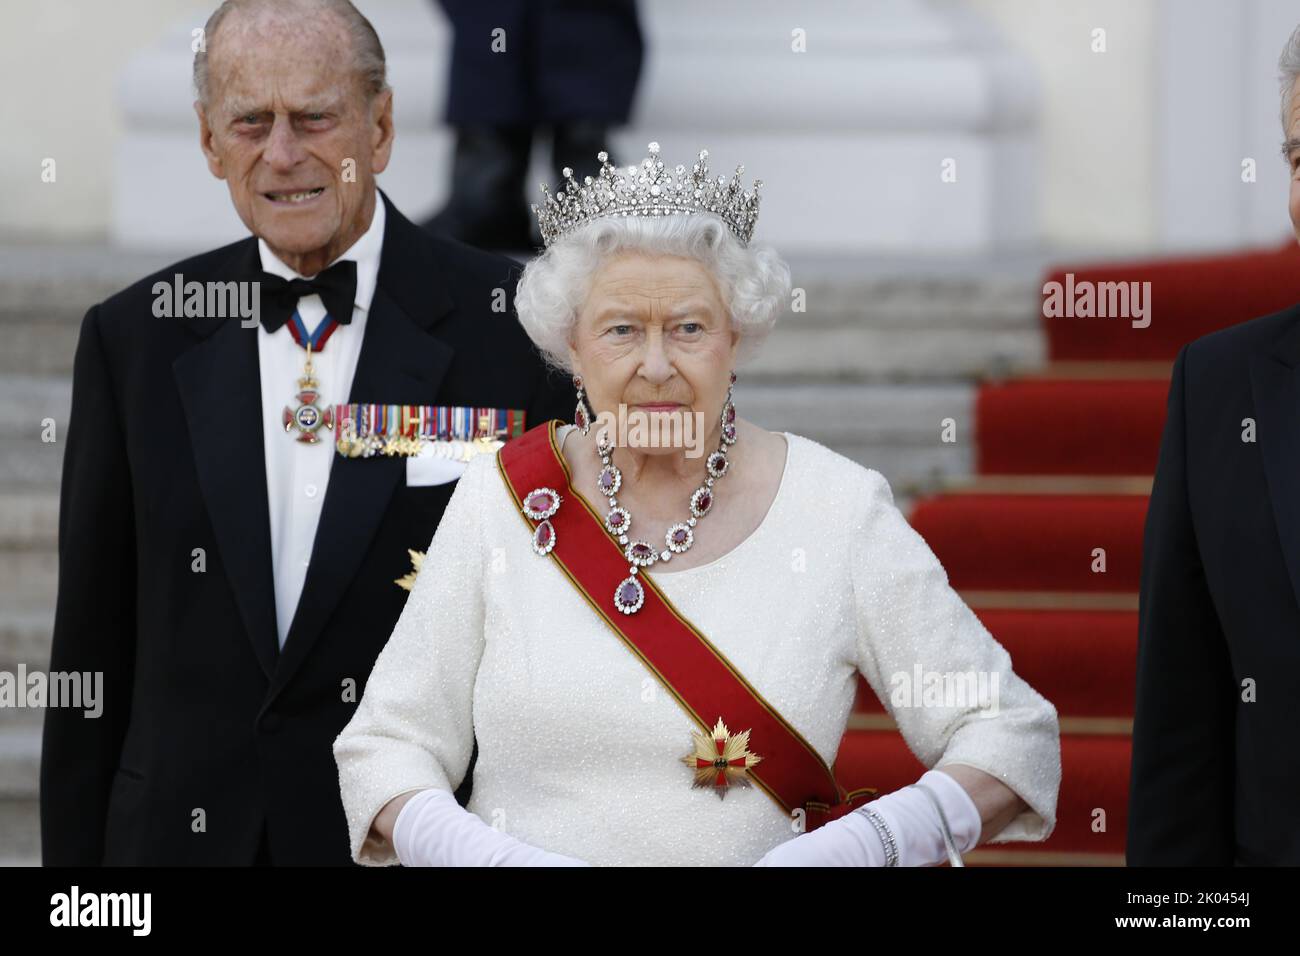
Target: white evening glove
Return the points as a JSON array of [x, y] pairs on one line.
[[852, 840], [432, 829]]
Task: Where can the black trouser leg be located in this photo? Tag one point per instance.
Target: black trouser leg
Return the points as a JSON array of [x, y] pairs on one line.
[[486, 207]]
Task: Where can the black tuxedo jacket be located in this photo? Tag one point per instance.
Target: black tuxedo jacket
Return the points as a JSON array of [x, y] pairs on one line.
[[1216, 769], [210, 732]]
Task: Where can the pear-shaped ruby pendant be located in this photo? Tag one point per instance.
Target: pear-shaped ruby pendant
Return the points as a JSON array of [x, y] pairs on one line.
[[544, 538], [629, 595]]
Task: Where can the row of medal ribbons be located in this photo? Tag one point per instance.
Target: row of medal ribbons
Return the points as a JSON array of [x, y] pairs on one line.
[[453, 431]]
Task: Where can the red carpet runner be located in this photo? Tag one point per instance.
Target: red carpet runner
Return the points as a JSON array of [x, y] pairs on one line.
[[1064, 461]]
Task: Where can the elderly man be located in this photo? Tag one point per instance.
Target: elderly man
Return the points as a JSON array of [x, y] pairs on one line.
[[239, 497], [1215, 767]]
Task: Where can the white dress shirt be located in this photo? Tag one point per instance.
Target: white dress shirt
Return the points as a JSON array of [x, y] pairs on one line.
[[297, 473]]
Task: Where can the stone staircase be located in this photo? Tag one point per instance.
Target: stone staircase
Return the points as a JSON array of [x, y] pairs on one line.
[[44, 293], [28, 568], [883, 354]]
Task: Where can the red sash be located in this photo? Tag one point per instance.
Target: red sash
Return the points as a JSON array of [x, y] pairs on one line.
[[700, 678]]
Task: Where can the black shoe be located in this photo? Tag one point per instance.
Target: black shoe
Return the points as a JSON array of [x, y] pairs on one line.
[[575, 144], [486, 207]]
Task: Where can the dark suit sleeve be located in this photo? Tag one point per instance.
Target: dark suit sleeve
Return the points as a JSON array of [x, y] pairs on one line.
[[554, 397], [94, 624], [1181, 786]]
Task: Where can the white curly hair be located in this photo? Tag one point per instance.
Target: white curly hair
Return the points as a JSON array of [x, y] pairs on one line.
[[754, 280]]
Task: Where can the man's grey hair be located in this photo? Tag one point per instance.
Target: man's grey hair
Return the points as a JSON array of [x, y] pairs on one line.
[[370, 63], [1289, 65]]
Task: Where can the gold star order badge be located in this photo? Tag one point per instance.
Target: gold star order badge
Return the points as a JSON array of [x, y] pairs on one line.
[[721, 759], [407, 580]]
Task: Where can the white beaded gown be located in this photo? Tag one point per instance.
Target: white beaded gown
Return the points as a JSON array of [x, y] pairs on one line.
[[580, 747]]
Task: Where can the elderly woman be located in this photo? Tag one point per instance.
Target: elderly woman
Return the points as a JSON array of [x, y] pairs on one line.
[[633, 630]]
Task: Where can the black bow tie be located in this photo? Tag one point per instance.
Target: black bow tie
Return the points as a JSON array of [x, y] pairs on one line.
[[336, 286]]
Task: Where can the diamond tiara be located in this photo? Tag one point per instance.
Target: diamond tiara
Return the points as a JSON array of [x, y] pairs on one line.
[[648, 190]]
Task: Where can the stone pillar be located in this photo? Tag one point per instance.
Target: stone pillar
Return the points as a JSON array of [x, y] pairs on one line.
[[850, 110]]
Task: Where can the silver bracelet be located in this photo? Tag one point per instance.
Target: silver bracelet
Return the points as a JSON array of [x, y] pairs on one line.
[[883, 831], [954, 858]]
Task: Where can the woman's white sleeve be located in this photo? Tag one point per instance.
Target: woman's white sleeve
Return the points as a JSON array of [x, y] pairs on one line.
[[940, 674], [414, 728]]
